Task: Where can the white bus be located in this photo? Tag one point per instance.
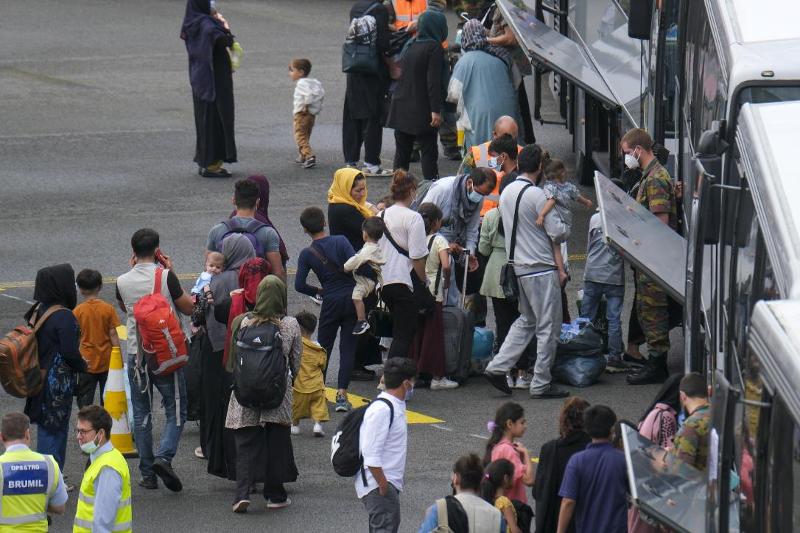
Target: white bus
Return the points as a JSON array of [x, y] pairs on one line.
[[720, 87]]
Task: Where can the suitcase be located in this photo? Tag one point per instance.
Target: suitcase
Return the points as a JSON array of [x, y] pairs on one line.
[[458, 332]]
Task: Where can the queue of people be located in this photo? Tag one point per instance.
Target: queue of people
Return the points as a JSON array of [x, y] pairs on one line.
[[510, 204]]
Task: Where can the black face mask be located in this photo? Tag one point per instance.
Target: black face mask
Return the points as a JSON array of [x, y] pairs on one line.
[[453, 487]]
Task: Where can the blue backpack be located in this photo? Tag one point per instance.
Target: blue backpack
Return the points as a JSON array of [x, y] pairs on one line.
[[248, 230]]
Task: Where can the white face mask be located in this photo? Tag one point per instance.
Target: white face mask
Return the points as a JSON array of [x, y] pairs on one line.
[[631, 161], [90, 447]]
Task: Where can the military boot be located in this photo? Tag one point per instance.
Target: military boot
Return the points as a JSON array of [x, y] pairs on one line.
[[653, 371]]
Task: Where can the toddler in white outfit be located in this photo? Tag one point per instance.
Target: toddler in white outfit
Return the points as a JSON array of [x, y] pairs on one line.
[[370, 254]]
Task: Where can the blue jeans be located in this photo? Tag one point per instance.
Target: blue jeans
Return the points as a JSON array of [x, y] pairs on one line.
[[592, 292], [143, 416], [53, 442]]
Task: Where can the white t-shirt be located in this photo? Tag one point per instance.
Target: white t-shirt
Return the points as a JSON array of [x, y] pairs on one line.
[[432, 265], [382, 445], [408, 231]]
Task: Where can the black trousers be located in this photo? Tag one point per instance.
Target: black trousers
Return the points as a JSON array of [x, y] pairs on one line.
[[400, 301], [358, 131], [264, 454], [505, 313], [525, 111], [429, 152], [338, 315], [87, 383]]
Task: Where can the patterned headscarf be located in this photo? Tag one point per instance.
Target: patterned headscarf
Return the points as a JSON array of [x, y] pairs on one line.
[[473, 37]]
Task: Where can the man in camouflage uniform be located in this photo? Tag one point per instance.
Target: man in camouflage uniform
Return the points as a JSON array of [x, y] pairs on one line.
[[690, 444], [657, 194]]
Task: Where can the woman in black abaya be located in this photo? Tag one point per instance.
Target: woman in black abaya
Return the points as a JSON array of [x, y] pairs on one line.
[[208, 38]]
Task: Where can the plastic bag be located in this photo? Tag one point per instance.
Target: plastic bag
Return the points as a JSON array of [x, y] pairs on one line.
[[578, 371], [581, 338], [482, 343]]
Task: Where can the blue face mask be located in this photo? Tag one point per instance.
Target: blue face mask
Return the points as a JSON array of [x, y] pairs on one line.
[[492, 163], [474, 196], [409, 394]]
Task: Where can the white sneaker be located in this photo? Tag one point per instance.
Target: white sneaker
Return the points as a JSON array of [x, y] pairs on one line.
[[509, 381], [318, 432], [295, 430], [523, 382], [444, 383]]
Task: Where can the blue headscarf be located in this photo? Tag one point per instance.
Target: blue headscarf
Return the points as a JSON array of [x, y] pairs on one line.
[[431, 27], [200, 31]]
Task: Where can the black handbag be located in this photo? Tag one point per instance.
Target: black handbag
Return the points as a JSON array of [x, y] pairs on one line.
[[360, 52], [380, 320], [508, 277]]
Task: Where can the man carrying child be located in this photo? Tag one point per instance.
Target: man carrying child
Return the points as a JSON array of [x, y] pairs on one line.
[[325, 257]]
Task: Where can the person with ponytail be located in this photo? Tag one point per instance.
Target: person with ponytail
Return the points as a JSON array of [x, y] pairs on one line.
[[465, 509], [497, 481], [427, 350], [509, 424], [405, 249]]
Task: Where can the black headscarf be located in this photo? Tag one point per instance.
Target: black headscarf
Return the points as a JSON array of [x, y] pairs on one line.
[[56, 285], [200, 31]]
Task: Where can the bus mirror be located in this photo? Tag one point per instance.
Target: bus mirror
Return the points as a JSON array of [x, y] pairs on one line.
[[639, 16], [709, 169], [712, 141]]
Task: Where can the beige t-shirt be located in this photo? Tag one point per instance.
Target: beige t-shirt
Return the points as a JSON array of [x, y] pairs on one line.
[[432, 264]]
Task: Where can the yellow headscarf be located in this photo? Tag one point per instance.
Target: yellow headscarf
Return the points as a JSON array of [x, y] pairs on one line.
[[339, 193]]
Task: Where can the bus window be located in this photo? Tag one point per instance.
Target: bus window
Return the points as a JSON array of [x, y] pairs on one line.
[[783, 484], [767, 94], [742, 274], [753, 430]]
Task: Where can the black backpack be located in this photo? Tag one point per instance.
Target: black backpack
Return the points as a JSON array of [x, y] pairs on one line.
[[260, 370], [345, 449], [248, 229]]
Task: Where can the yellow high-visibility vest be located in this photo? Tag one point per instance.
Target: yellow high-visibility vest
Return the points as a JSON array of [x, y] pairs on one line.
[[27, 480], [85, 512]]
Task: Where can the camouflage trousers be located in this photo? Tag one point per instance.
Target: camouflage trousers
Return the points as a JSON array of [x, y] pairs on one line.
[[653, 310]]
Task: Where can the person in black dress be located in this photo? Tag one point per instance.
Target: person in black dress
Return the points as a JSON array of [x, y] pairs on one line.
[[364, 99], [347, 209], [415, 111], [208, 38], [553, 460]]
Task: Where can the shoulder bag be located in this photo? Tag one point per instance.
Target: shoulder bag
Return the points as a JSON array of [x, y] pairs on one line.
[[508, 277]]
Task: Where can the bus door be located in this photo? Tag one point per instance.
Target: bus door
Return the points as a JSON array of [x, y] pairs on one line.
[[641, 238], [664, 489]]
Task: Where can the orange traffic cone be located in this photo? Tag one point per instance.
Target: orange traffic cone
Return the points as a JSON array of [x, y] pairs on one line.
[[117, 406]]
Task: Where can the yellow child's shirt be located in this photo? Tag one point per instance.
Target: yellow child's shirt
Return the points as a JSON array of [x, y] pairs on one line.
[[312, 365], [501, 504]]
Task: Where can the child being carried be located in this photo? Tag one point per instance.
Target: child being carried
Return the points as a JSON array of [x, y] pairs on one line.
[[370, 254]]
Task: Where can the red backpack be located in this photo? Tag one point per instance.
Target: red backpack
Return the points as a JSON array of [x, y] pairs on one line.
[[160, 335], [250, 275]]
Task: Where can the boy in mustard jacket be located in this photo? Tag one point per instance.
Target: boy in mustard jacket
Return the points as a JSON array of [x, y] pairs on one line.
[[308, 400]]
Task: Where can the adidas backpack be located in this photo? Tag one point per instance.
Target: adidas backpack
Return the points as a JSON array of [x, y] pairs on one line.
[[260, 369], [345, 447], [159, 331]]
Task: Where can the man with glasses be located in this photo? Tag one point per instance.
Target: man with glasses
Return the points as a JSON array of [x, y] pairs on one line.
[[104, 501]]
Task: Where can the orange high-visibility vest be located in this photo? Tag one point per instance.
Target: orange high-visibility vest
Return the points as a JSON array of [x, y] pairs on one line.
[[480, 154], [407, 11]]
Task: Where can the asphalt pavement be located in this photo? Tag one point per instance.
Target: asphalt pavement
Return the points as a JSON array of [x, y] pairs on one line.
[[97, 141]]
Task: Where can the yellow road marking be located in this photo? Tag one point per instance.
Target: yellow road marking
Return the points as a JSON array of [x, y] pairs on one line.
[[188, 276], [412, 417]]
